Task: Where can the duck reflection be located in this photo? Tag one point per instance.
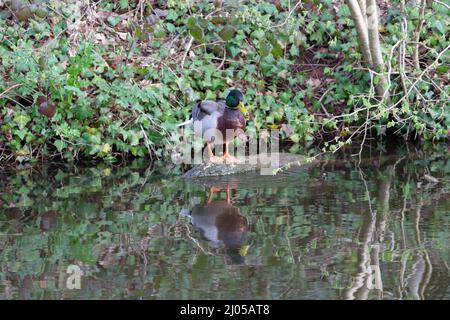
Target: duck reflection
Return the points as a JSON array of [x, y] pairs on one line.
[[221, 224]]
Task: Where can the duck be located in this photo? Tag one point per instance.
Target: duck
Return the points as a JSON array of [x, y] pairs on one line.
[[212, 120], [221, 224]]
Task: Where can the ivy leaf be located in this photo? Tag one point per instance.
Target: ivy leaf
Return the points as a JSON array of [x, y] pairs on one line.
[[264, 49], [294, 51], [83, 112], [22, 120], [41, 12], [114, 20], [123, 4], [132, 138], [439, 26], [234, 51], [191, 22], [195, 30], [442, 69], [197, 33], [227, 33], [60, 145], [21, 133], [277, 50]]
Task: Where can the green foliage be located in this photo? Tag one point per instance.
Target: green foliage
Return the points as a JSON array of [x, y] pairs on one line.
[[120, 85]]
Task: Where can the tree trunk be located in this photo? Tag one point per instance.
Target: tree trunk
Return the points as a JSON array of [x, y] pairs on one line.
[[361, 28], [375, 48]]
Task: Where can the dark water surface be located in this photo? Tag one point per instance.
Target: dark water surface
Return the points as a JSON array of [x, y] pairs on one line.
[[329, 231]]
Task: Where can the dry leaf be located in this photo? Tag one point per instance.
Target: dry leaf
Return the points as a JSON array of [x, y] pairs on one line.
[[313, 82]]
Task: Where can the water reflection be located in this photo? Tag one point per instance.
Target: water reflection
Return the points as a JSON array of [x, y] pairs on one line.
[[221, 224], [333, 230]]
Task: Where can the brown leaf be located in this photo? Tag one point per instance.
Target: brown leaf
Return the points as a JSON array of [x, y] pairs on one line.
[[46, 107]]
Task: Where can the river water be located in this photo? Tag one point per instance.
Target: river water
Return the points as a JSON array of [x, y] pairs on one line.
[[335, 229]]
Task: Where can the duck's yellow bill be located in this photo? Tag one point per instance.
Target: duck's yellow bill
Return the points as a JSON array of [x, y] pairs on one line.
[[244, 110]]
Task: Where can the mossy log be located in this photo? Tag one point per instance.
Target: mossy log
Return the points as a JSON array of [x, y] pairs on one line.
[[264, 164]]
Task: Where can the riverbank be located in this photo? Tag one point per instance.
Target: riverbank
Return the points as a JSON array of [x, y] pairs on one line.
[[110, 81]]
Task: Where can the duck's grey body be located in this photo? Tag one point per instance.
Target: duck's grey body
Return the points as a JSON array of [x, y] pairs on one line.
[[220, 223], [205, 117]]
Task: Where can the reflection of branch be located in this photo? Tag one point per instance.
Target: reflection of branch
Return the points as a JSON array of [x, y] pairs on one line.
[[195, 240], [417, 223], [415, 277], [402, 222], [371, 239], [360, 289], [427, 275], [402, 282], [422, 269], [446, 265]]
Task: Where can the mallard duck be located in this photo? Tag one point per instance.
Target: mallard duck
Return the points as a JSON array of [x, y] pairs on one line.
[[210, 120], [220, 223]]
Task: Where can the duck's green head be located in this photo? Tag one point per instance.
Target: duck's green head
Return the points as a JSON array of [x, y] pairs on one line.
[[235, 99]]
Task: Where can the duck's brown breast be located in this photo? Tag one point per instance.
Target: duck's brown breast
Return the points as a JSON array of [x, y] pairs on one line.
[[232, 119]]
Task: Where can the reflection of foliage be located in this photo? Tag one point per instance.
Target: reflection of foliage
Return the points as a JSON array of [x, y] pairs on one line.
[[122, 225], [121, 74]]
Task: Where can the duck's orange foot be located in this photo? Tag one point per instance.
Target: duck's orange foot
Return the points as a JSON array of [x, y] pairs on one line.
[[212, 190]]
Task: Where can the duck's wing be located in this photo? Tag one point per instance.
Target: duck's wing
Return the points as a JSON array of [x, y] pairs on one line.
[[206, 108]]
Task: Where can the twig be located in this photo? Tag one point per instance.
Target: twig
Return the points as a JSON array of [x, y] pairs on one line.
[[442, 4], [187, 51], [9, 89], [287, 18], [322, 106], [423, 4], [147, 143], [224, 58]]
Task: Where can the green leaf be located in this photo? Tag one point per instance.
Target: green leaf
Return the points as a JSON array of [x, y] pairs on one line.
[[21, 133], [264, 48], [197, 33], [277, 50], [442, 69], [191, 22], [439, 26], [22, 120], [234, 51], [41, 12], [194, 29], [227, 33], [114, 20], [60, 145], [294, 51], [390, 124], [123, 4]]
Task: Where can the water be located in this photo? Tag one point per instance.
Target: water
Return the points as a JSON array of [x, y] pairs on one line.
[[332, 230]]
